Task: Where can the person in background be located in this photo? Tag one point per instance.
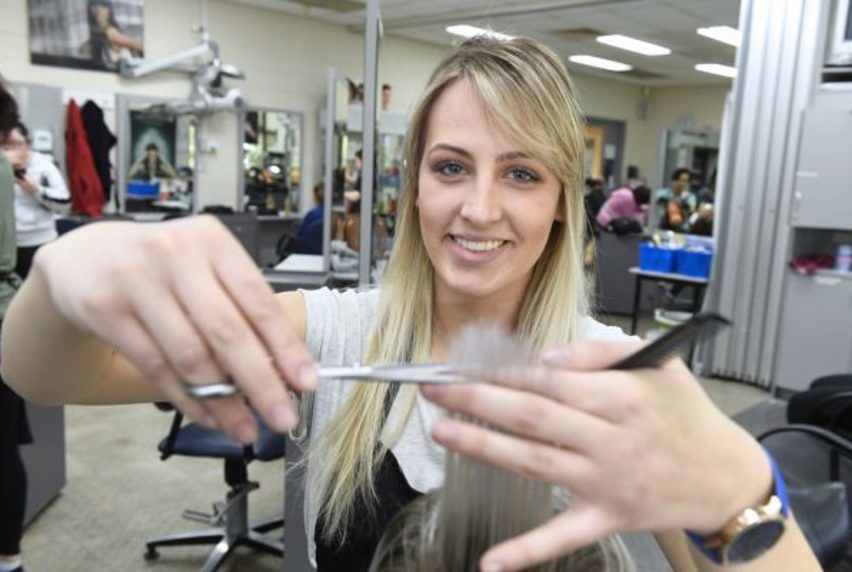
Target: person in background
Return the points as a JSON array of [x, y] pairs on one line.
[[673, 205], [625, 203], [14, 429], [353, 175], [40, 195], [386, 96], [593, 199], [634, 179], [308, 240], [152, 166]]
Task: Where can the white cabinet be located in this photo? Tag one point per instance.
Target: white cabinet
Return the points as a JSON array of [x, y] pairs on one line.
[[823, 184], [816, 330]]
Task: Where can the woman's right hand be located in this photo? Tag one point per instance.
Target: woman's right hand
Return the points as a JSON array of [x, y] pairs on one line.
[[185, 304]]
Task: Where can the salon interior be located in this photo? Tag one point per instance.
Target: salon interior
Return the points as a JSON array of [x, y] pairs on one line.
[[706, 129]]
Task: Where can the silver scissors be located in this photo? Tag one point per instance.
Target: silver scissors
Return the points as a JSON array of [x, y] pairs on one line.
[[400, 373]]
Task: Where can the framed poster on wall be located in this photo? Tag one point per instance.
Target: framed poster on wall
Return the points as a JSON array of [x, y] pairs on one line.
[[85, 34]]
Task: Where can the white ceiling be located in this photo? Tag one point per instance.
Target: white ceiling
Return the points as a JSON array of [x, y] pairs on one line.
[[568, 26]]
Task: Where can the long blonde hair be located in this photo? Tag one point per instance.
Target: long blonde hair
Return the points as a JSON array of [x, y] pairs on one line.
[[528, 94]]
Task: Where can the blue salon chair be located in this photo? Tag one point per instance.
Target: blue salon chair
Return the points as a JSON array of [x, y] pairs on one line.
[[229, 525]]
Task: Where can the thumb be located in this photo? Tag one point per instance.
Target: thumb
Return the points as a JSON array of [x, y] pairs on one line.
[[588, 355]]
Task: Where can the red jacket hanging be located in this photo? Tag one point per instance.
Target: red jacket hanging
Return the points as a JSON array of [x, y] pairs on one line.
[[87, 194]]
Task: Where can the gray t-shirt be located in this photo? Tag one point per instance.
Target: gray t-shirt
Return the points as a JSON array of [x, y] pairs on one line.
[[339, 324]]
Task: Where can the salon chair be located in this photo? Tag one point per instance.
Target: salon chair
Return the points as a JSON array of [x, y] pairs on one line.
[[815, 455], [229, 526]]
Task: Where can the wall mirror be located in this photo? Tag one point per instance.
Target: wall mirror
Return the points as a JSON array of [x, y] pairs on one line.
[[156, 157], [271, 162]]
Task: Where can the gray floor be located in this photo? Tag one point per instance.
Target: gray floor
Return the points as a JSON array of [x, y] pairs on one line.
[[119, 493]]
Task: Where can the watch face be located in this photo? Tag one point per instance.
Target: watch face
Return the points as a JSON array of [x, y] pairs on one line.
[[754, 541]]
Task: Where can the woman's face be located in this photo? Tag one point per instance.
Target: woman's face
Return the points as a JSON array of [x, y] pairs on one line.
[[17, 149], [101, 15], [485, 208]]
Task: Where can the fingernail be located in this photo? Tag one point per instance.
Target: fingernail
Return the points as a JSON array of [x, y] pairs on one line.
[[556, 357], [308, 377], [283, 418], [493, 567], [432, 391], [244, 432], [444, 430]]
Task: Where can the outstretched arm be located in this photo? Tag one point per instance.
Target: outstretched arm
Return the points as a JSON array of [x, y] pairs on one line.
[[118, 312]]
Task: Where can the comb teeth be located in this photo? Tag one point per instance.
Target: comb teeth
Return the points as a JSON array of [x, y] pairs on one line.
[[700, 327]]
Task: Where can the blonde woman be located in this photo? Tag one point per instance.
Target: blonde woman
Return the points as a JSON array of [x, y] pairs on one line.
[[491, 229]]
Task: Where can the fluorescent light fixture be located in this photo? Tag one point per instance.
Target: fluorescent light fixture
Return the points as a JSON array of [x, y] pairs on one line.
[[601, 63], [466, 31], [724, 34], [717, 69], [634, 45]]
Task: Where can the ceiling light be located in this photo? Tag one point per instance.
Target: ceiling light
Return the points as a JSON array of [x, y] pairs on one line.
[[601, 63], [634, 45], [724, 34], [466, 31], [717, 69]]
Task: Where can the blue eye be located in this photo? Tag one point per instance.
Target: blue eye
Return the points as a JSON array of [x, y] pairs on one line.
[[448, 168], [523, 175]]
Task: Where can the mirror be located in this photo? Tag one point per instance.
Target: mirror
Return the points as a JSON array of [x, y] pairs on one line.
[[696, 149], [272, 161], [346, 164], [157, 157]]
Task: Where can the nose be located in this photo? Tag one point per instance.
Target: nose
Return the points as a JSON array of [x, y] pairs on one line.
[[481, 205]]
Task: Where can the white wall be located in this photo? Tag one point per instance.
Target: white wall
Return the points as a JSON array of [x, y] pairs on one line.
[[285, 59]]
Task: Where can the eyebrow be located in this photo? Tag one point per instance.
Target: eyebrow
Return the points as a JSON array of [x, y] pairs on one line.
[[510, 156]]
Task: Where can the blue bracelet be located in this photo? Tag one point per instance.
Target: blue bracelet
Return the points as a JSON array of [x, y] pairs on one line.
[[779, 490]]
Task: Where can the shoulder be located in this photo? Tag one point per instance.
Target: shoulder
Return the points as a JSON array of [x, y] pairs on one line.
[[591, 329], [338, 322], [41, 162], [340, 301]]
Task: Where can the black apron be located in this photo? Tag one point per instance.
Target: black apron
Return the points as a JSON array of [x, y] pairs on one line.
[[365, 530]]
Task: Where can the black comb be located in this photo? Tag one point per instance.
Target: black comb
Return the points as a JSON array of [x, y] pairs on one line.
[[699, 327]]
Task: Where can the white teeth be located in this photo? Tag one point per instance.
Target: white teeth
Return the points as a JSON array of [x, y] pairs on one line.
[[479, 245]]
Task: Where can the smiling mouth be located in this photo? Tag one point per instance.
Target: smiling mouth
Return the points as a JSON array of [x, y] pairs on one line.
[[478, 245]]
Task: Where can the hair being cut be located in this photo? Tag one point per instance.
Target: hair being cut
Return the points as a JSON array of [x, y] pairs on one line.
[[480, 505], [527, 94]]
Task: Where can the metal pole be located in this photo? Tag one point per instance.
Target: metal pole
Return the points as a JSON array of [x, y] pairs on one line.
[[368, 174], [328, 168]]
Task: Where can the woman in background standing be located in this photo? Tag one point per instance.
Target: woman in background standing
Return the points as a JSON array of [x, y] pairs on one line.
[[13, 421]]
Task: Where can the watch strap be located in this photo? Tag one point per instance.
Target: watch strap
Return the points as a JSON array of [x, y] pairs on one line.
[[779, 490]]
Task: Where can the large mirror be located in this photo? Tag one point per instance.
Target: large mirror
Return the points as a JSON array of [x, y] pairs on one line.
[[688, 162], [271, 161], [157, 156], [346, 160]]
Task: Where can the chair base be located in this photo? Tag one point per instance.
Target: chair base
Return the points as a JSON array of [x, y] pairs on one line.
[[225, 543]]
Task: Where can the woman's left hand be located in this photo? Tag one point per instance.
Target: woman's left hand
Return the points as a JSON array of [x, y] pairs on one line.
[[639, 450]]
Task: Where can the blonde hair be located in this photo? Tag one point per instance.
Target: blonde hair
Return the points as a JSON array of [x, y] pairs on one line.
[[528, 95]]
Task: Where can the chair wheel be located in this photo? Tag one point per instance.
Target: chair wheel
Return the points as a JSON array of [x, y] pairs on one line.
[[151, 553]]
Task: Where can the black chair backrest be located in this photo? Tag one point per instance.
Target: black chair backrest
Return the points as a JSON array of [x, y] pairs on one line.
[[829, 407]]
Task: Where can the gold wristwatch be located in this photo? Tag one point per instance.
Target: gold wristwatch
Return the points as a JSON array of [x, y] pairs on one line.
[[752, 532]]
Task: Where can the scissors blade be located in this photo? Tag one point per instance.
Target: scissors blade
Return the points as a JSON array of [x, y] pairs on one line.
[[401, 373]]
